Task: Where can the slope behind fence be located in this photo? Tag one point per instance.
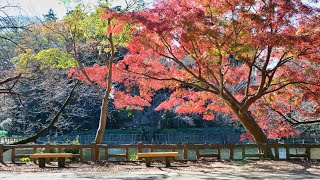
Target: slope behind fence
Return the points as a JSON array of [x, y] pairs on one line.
[[186, 151]]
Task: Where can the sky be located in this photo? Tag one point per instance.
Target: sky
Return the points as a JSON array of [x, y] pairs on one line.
[[40, 7]]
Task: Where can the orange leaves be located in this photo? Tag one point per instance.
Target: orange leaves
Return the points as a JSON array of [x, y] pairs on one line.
[[115, 28], [184, 101], [125, 100], [96, 73]]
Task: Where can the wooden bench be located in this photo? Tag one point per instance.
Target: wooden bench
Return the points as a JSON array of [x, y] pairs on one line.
[[42, 158], [167, 155]]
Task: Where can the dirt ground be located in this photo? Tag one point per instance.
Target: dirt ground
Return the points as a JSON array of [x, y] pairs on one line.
[[205, 166]]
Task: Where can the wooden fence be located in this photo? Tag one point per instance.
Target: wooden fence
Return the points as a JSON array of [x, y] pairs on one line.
[[199, 138], [184, 148]]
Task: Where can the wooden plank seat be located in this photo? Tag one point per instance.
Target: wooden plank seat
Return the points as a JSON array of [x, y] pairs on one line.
[[42, 158], [148, 155]]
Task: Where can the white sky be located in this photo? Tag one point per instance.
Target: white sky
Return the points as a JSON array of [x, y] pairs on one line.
[[40, 7]]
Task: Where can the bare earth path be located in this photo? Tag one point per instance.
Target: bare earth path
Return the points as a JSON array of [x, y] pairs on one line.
[[180, 170]]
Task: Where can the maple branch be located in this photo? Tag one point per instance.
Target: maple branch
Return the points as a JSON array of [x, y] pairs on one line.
[[262, 88], [281, 62], [250, 73], [199, 64], [228, 96], [220, 72], [283, 116], [174, 79], [82, 69], [6, 91], [286, 84], [6, 80], [263, 72], [291, 120], [307, 122], [175, 59]]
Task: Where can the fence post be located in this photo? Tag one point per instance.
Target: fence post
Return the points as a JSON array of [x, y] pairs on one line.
[[127, 154], [173, 150], [106, 153], [13, 154], [276, 150], [140, 147], [93, 151], [243, 152], [34, 151], [197, 153], [287, 152], [81, 154], [60, 149], [47, 150], [1, 153], [231, 151], [263, 150], [308, 153], [219, 152], [185, 151]]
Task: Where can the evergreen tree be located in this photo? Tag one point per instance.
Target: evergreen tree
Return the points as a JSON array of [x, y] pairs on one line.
[[50, 16]]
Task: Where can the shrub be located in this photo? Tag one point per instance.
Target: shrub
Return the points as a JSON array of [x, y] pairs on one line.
[[133, 157], [73, 150], [24, 159]]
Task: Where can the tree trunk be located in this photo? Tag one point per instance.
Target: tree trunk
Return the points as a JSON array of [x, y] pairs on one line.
[[105, 100], [102, 124], [259, 136]]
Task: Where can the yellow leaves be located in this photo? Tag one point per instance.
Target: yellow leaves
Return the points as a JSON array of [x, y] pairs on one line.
[[55, 58], [52, 58], [22, 61], [270, 98]]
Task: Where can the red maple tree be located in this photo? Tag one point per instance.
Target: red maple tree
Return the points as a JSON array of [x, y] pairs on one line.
[[257, 60]]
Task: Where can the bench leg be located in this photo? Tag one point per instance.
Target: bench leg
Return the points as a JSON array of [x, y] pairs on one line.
[[42, 162], [168, 162], [148, 162], [61, 162]]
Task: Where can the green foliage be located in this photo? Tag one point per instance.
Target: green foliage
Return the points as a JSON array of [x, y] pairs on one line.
[[163, 116], [3, 133], [130, 112], [52, 58], [73, 150], [133, 157], [55, 58], [24, 159]]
